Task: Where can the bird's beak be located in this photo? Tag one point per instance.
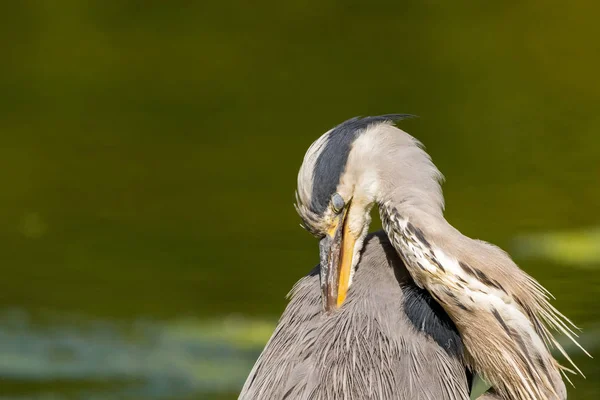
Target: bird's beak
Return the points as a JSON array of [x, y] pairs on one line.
[[336, 250]]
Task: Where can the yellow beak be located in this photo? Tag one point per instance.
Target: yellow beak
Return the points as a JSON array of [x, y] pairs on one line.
[[336, 252]]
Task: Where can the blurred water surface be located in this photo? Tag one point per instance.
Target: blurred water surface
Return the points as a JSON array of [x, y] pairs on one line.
[[150, 150], [69, 356]]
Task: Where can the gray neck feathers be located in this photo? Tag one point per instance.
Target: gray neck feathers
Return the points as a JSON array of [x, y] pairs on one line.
[[409, 179]]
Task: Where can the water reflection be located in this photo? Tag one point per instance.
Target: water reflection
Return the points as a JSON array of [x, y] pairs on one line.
[[53, 356], [579, 248]]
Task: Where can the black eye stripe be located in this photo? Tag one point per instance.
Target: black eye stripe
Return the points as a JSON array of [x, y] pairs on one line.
[[331, 162]]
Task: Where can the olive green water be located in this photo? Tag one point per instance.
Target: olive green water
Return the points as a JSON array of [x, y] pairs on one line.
[[149, 156]]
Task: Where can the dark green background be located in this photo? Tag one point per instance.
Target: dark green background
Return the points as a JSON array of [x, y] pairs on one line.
[[150, 148]]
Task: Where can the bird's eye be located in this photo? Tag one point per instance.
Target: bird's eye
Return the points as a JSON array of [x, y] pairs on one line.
[[337, 203]]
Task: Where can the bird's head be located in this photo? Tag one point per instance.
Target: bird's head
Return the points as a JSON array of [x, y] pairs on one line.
[[357, 164]]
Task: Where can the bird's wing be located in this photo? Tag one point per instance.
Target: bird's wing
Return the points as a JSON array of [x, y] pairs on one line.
[[276, 374]]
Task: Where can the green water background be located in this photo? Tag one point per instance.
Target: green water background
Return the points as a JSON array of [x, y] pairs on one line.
[[150, 150]]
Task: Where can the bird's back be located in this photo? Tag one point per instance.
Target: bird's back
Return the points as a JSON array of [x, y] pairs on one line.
[[389, 340]]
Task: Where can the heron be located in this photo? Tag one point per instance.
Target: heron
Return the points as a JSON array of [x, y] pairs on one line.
[[410, 313]]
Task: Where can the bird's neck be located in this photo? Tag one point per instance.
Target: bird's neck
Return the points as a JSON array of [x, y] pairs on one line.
[[421, 206], [412, 229], [481, 303], [419, 196]]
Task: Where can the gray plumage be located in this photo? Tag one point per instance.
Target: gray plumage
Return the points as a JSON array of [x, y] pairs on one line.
[[390, 340], [362, 336], [504, 316]]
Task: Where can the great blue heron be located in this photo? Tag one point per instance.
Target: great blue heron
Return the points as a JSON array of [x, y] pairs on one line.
[[364, 342]]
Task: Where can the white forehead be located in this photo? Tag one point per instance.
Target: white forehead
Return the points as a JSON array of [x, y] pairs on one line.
[[305, 175]]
